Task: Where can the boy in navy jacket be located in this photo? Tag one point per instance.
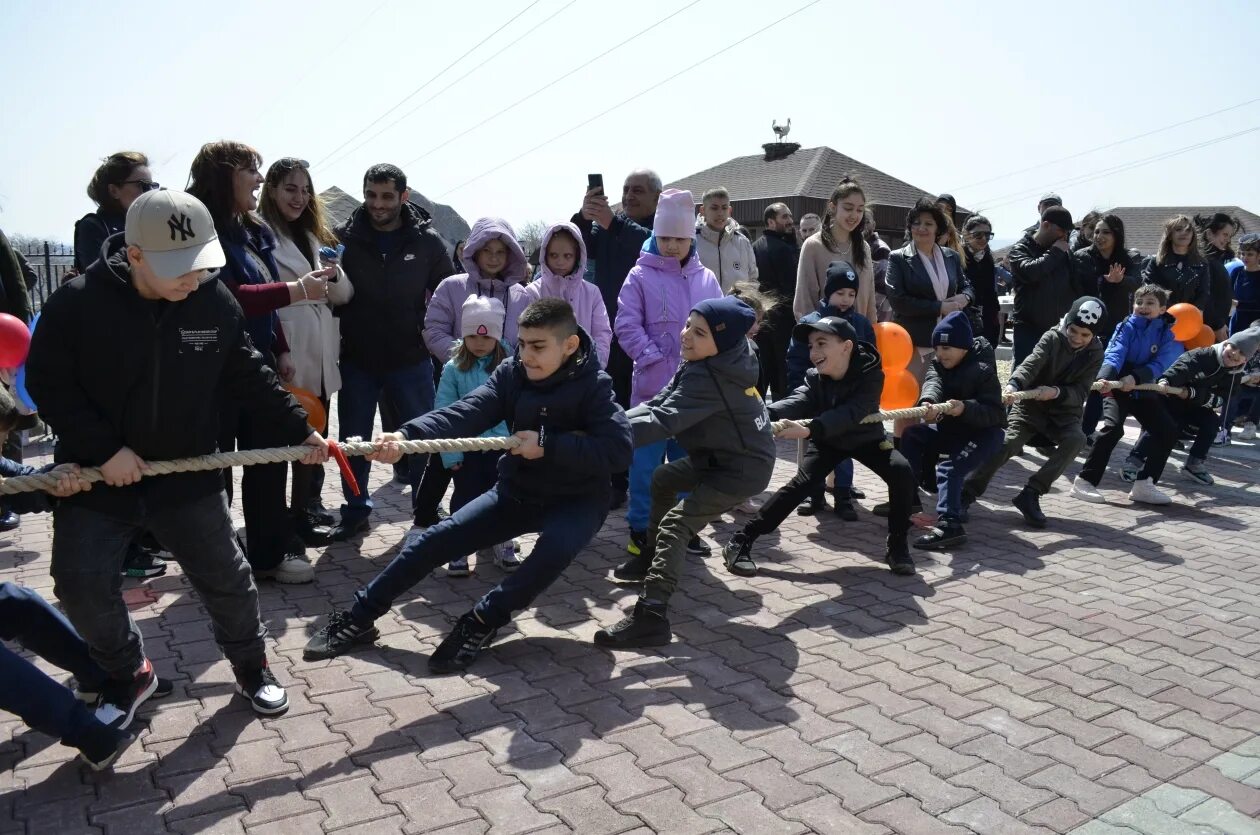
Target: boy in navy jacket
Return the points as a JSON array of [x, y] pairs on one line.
[[573, 436], [1140, 351]]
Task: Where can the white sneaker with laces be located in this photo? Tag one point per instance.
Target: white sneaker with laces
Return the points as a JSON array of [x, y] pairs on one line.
[[1145, 491], [1087, 492], [292, 569], [1248, 432]]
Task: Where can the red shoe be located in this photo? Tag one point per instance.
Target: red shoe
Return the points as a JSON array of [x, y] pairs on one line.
[[120, 699]]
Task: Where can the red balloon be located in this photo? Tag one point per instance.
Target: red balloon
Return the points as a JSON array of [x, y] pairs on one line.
[[894, 345], [1205, 337], [15, 341], [1189, 321], [315, 414], [901, 390]]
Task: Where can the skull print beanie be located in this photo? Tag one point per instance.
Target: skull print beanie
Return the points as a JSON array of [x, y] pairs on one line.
[[1086, 312]]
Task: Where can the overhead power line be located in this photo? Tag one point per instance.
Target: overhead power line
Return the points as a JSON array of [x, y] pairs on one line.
[[762, 30], [1103, 147], [1107, 172], [435, 77], [562, 77], [479, 66]]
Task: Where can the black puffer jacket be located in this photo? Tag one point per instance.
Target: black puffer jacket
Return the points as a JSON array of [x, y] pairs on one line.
[[712, 407], [1092, 269], [1220, 288], [835, 408], [973, 381], [584, 432], [1045, 284], [1202, 371], [777, 256], [110, 369], [1184, 280], [382, 326]]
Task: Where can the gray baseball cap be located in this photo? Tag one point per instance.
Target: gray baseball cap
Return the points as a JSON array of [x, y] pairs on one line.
[[176, 233]]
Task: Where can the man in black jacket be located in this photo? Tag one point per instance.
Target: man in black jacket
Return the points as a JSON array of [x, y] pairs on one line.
[[395, 259], [1045, 282], [777, 255], [130, 364]]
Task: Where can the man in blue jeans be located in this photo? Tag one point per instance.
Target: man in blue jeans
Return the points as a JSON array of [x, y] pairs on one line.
[[556, 483], [395, 260]]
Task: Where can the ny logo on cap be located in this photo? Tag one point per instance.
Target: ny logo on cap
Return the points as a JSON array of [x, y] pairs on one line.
[[181, 224]]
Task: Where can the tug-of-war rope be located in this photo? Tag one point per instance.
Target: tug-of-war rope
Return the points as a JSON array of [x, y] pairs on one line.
[[277, 455]]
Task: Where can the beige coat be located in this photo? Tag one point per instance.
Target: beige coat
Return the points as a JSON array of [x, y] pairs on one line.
[[811, 276], [312, 332]]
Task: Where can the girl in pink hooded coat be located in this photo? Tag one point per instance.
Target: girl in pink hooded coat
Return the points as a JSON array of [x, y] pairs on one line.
[[652, 308], [502, 279], [560, 276]]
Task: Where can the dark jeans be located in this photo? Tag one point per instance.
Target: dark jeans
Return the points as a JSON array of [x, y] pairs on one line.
[[432, 488], [87, 558], [477, 474], [1027, 420], [1246, 401], [308, 479], [877, 456], [674, 523], [1152, 414], [269, 530], [1023, 341], [1204, 421], [42, 703], [410, 389], [1092, 413], [959, 454], [564, 526]]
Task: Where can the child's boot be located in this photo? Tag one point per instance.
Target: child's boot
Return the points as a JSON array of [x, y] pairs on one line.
[[948, 533], [1028, 503], [647, 625], [1196, 468], [898, 556]]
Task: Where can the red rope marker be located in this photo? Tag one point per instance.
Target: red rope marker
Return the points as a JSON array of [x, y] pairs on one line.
[[344, 466]]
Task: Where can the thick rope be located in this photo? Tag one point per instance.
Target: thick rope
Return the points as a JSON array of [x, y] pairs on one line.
[[246, 457]]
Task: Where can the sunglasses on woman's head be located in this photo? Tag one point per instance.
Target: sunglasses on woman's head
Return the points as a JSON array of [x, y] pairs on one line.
[[289, 163]]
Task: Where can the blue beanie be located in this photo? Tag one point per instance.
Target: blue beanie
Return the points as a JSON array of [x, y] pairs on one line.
[[840, 276], [729, 320], [953, 331]]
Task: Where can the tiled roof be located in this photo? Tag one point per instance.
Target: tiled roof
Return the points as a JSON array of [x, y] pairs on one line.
[[810, 172], [1144, 225], [446, 220]]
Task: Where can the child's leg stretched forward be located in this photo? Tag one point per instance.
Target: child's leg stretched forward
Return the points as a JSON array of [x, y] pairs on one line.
[[564, 528], [672, 525]]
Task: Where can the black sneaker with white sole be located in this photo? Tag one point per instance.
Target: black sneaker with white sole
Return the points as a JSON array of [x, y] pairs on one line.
[[341, 634], [265, 694], [461, 648], [119, 699], [100, 745], [699, 547], [91, 696]]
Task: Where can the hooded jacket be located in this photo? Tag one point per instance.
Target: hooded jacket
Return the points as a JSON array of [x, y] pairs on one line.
[[615, 251], [381, 327], [1045, 283], [727, 254], [1053, 362], [974, 381], [652, 308], [455, 384], [446, 310], [1185, 281], [1091, 271], [714, 411], [1202, 371], [110, 369], [798, 352], [835, 408], [583, 296], [584, 433], [1141, 347]]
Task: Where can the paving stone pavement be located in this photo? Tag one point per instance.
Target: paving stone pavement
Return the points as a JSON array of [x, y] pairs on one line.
[[1095, 678]]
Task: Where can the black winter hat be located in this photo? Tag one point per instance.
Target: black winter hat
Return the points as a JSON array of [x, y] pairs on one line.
[[1086, 312], [840, 276], [729, 320], [1060, 217], [953, 331]]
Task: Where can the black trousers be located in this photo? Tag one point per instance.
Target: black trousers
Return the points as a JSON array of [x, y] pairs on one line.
[[269, 529], [772, 344], [1152, 414]]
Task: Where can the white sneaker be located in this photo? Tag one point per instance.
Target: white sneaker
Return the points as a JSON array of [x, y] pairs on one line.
[[1145, 491], [1248, 432], [292, 569], [1087, 492], [506, 557]]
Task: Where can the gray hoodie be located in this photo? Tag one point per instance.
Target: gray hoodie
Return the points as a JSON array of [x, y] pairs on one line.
[[714, 411]]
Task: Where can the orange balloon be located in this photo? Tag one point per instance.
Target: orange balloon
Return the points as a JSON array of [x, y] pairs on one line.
[[901, 390], [894, 345], [1189, 321], [1205, 337], [315, 414]]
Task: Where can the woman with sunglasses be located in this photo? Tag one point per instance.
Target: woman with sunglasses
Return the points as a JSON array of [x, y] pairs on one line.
[[226, 179], [290, 206], [981, 271], [120, 179]]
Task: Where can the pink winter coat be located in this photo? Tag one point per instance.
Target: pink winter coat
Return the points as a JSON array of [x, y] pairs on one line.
[[442, 321], [582, 296], [652, 308]]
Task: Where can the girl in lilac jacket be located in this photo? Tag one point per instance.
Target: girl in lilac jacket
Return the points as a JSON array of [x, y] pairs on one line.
[[560, 276], [498, 273]]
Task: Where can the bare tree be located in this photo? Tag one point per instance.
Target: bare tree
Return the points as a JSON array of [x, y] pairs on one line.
[[530, 234]]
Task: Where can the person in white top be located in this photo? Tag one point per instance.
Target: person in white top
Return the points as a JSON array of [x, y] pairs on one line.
[[720, 245], [290, 206]]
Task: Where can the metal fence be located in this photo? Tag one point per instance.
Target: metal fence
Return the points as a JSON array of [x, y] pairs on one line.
[[48, 264]]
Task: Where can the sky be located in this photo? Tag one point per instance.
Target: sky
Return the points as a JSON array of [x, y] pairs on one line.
[[964, 97]]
